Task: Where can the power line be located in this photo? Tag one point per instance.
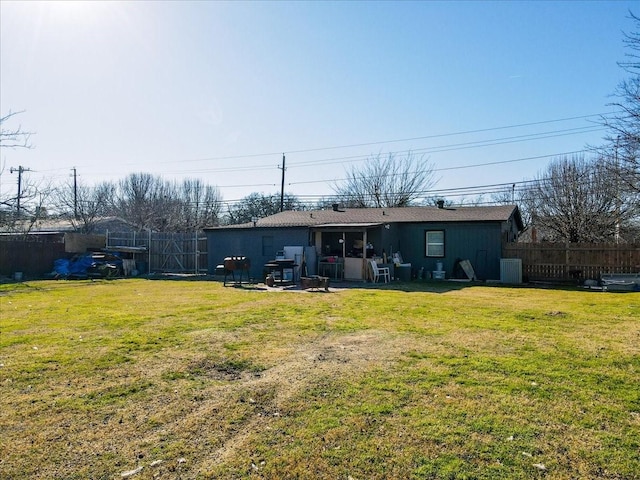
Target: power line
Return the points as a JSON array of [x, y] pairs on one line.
[[461, 146], [477, 191], [435, 149], [498, 141], [460, 167], [409, 139], [435, 170], [455, 191]]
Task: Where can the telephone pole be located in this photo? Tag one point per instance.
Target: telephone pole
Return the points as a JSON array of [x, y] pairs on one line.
[[616, 233], [282, 186], [75, 193], [20, 170]]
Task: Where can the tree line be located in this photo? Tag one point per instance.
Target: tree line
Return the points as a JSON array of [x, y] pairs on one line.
[[148, 202], [593, 197]]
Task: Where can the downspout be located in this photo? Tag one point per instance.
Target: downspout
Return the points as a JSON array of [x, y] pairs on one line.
[[364, 255]]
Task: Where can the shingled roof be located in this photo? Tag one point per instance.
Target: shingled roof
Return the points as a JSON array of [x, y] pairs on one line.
[[375, 216]]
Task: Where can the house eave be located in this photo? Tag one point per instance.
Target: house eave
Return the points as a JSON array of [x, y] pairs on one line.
[[342, 226]]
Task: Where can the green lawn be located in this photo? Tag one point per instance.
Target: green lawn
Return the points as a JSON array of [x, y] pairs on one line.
[[188, 379]]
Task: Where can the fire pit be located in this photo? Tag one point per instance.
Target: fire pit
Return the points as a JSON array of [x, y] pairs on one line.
[[314, 281]]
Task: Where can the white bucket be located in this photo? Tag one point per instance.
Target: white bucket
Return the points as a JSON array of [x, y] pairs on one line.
[[17, 276], [439, 266]]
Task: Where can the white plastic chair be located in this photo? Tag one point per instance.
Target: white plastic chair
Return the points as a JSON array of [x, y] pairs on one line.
[[379, 272]]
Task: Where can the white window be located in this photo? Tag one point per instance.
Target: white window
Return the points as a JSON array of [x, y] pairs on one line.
[[435, 243]]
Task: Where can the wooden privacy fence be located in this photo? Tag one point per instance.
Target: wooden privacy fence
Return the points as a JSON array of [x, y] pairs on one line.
[[32, 255], [166, 252], [561, 261]]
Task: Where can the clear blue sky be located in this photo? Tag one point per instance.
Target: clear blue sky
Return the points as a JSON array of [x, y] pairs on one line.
[[220, 90]]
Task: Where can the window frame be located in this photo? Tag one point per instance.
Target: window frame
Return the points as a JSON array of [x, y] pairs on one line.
[[428, 243]]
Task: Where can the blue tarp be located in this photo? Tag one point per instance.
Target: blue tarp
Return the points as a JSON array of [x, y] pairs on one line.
[[85, 264]]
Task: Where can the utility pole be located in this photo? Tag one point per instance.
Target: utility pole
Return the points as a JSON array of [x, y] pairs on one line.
[[282, 186], [20, 170], [617, 174], [75, 193]]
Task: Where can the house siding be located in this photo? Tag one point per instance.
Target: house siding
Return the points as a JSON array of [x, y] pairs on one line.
[[480, 243], [471, 233], [249, 243]]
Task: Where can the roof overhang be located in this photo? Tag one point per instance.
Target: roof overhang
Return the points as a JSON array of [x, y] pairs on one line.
[[346, 226]]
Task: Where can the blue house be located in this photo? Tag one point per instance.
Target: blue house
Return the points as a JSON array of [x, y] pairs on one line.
[[339, 242]]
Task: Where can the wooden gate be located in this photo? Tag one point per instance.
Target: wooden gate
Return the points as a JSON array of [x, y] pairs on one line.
[[166, 252]]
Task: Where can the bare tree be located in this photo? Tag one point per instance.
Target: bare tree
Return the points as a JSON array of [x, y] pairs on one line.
[[151, 203], [260, 205], [386, 182], [34, 206], [84, 205], [623, 140], [519, 194], [139, 199], [13, 137], [199, 205], [576, 200]]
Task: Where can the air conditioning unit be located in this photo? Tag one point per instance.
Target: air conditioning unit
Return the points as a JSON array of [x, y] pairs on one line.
[[511, 270]]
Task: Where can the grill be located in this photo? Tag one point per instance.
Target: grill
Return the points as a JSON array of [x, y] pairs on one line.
[[236, 264], [280, 265]]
